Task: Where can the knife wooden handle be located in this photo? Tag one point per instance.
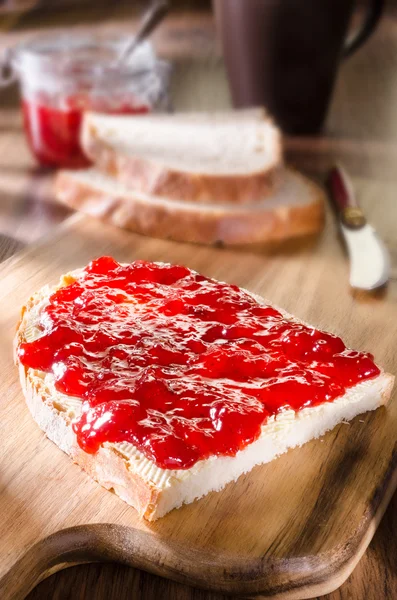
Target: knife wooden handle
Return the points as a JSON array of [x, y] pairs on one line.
[[344, 200]]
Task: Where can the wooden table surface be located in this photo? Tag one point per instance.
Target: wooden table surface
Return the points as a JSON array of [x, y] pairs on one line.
[[361, 132]]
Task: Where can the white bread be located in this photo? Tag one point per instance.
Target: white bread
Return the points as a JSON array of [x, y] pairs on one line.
[[206, 158], [295, 209], [138, 481]]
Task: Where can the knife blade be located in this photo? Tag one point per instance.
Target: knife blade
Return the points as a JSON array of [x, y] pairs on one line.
[[369, 257]]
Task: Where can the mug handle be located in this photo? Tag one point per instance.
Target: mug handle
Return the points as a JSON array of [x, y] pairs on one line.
[[374, 13]]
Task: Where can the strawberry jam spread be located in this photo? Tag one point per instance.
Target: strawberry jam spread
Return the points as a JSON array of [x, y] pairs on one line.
[[180, 365]]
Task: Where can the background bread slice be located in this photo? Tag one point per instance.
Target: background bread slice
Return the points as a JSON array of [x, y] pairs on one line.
[[205, 158], [153, 491], [296, 208]]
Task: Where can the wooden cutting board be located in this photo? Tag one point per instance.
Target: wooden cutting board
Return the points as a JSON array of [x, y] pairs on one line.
[[292, 529]]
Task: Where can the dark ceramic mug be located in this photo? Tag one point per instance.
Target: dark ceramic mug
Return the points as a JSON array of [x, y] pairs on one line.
[[284, 54]]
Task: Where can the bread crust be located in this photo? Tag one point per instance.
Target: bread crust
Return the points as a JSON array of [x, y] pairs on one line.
[[151, 177], [174, 221], [107, 466]]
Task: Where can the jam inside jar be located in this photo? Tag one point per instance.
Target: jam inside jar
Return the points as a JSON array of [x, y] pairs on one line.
[[62, 77]]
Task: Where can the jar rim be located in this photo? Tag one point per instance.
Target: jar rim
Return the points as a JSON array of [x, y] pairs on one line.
[[59, 53]]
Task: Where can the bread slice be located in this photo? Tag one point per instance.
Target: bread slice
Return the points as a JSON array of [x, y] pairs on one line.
[[205, 158], [295, 209], [136, 479]]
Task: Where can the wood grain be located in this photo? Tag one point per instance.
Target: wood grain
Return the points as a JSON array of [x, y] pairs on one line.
[[361, 131], [290, 529]]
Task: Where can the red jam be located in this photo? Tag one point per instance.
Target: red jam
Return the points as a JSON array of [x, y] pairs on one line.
[[53, 130], [180, 365]]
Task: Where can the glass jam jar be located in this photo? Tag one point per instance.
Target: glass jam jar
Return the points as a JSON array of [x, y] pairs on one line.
[[61, 77]]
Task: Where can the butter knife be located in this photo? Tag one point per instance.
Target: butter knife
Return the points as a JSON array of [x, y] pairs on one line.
[[369, 258]]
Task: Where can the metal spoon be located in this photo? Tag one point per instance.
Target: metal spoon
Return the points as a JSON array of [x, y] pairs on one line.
[[152, 17]]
